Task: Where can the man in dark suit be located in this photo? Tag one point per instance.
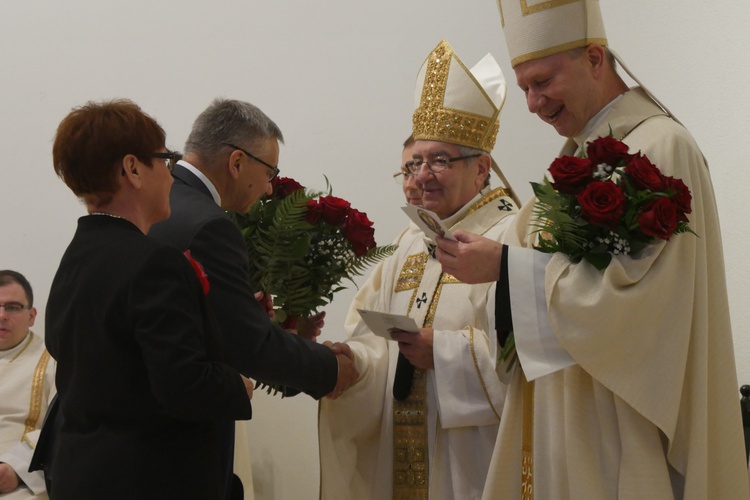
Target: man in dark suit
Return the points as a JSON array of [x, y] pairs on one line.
[[230, 159]]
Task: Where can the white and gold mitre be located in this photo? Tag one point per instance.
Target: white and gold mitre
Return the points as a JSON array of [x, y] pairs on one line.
[[539, 28], [457, 105]]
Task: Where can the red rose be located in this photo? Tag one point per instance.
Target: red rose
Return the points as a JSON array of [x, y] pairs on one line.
[[607, 150], [644, 174], [314, 211], [290, 323], [334, 210], [284, 186], [570, 174], [198, 268], [602, 203], [659, 218], [359, 232], [682, 197]]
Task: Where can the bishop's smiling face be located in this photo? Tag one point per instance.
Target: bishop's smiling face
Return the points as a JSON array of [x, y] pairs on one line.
[[561, 89], [446, 192]]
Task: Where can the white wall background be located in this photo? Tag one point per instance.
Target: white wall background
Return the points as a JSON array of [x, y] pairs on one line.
[[337, 76]]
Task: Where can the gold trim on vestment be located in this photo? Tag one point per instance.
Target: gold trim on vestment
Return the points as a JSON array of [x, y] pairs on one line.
[[412, 299], [485, 200], [37, 393], [410, 446], [411, 272], [448, 278], [410, 458], [527, 439]]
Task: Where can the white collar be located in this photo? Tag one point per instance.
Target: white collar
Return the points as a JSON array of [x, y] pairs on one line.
[[595, 121], [15, 351], [205, 180]]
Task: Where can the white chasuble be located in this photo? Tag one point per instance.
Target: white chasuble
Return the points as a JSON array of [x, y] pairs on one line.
[[463, 395], [650, 409], [27, 375]]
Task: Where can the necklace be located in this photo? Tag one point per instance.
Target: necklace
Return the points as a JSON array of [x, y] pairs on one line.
[[105, 213]]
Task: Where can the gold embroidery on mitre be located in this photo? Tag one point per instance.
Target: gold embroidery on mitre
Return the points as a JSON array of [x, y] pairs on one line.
[[527, 9], [411, 272], [432, 121], [430, 319], [539, 28]]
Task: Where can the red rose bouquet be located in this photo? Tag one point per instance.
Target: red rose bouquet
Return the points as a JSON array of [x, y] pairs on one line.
[[303, 244], [607, 202]]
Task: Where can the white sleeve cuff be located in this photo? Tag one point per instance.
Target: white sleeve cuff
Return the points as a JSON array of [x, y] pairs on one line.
[[538, 350]]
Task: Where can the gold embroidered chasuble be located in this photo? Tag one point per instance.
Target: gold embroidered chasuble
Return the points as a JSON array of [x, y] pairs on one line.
[[462, 399], [650, 409], [27, 375]]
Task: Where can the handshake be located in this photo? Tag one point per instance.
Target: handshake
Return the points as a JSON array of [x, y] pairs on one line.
[[310, 328], [348, 373]]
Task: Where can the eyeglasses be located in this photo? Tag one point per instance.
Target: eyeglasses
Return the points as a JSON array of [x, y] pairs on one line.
[[271, 176], [401, 176], [437, 165], [170, 158], [14, 307]]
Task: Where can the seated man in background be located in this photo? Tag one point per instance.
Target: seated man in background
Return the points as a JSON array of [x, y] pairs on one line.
[[27, 384]]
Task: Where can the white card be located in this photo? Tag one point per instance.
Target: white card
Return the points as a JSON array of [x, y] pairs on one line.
[[428, 222], [380, 323]]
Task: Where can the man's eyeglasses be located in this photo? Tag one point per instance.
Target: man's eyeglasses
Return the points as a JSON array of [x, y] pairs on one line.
[[437, 165], [170, 158], [401, 176], [14, 307], [272, 175]]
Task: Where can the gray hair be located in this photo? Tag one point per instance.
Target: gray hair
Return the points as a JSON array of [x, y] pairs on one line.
[[466, 151], [228, 121]]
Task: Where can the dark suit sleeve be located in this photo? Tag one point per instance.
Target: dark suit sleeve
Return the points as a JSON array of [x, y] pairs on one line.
[[252, 344], [175, 339]]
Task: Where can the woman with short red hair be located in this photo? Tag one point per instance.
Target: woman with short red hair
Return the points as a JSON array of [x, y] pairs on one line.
[[140, 391]]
